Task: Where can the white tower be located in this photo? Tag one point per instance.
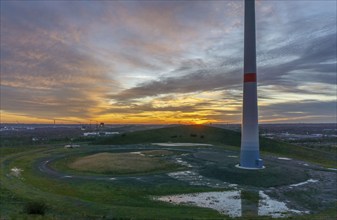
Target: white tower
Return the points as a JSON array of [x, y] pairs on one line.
[[250, 152]]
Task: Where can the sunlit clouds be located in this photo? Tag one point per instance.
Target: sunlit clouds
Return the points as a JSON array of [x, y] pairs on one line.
[[164, 61]]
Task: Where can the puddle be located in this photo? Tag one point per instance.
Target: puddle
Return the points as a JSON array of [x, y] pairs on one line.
[[303, 183], [183, 163], [138, 153], [274, 208], [230, 203], [334, 169], [194, 178], [284, 158], [16, 172], [224, 202]]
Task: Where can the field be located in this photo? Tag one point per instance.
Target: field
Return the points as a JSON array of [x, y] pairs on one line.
[[121, 163], [120, 177]]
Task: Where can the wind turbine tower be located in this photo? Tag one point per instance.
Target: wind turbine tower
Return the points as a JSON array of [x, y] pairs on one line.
[[250, 147]]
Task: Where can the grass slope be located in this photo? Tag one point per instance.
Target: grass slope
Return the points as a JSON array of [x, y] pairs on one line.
[[219, 136], [78, 199], [191, 134]]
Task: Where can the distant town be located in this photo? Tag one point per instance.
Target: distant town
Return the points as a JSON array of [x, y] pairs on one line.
[[321, 136]]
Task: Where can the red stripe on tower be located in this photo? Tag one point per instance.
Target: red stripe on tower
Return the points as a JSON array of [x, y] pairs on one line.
[[249, 77]]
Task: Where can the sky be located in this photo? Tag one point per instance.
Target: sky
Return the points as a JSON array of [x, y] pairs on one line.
[[164, 61]]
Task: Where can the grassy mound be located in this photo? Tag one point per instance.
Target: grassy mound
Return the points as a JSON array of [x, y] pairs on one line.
[[121, 163], [219, 136], [272, 176], [183, 134]]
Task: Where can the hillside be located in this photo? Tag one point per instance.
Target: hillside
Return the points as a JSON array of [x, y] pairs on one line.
[[190, 133], [217, 136]]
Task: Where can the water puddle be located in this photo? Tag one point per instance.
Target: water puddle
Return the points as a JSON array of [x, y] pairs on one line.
[[224, 202], [303, 183], [137, 153], [234, 203], [16, 172], [274, 208], [334, 169], [194, 178], [284, 158], [183, 163]]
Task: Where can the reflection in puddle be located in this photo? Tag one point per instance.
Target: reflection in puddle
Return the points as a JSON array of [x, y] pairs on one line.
[[274, 208], [284, 158], [303, 183], [224, 202], [234, 203], [183, 163], [194, 178]]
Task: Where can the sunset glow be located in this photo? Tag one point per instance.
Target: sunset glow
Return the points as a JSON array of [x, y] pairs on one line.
[[162, 62]]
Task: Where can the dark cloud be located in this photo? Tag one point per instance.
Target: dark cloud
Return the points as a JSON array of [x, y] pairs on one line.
[[309, 65], [312, 55], [320, 109], [46, 103], [202, 80], [149, 107], [63, 58], [44, 73]]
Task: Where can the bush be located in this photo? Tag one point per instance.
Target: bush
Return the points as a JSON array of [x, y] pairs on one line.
[[38, 208]]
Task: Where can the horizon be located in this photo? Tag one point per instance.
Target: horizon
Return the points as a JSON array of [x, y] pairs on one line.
[[165, 62], [81, 124]]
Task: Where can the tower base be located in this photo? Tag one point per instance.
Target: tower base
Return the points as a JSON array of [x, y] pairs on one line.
[[249, 168], [250, 158]]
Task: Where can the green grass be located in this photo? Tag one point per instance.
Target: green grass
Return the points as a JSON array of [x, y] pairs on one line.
[[157, 153], [118, 162], [128, 199], [90, 199], [221, 137], [273, 176], [250, 196], [121, 163]]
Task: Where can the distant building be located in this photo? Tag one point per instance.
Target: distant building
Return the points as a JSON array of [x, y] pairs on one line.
[[71, 146], [101, 133]]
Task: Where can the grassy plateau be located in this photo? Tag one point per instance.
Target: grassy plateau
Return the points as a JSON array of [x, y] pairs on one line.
[[139, 167], [121, 163]]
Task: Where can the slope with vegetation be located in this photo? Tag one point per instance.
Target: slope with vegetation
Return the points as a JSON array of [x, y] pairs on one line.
[[218, 137]]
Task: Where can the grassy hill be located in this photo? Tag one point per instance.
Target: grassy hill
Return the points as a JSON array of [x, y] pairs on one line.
[[218, 136]]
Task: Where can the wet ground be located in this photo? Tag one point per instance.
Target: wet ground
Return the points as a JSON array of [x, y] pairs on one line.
[[286, 187]]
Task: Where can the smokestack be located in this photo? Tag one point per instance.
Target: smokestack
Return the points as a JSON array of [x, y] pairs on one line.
[[250, 152]]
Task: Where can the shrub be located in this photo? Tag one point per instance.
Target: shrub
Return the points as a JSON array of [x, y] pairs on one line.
[[38, 208]]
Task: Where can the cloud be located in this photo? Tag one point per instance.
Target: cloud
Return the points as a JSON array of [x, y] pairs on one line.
[[286, 65], [44, 73], [317, 111], [72, 59], [46, 103], [202, 80]]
